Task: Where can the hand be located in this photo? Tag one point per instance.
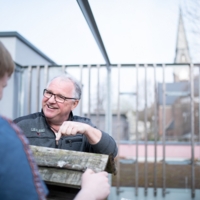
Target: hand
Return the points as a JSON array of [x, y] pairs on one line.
[[71, 128], [94, 186]]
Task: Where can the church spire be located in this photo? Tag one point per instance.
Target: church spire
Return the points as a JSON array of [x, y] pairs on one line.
[[182, 49], [182, 53]]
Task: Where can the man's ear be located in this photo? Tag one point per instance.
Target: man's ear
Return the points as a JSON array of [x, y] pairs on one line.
[[75, 104]]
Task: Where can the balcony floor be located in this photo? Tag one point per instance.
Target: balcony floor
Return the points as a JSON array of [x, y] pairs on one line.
[[128, 193]]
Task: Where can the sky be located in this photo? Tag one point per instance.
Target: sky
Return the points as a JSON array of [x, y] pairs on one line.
[[133, 31]]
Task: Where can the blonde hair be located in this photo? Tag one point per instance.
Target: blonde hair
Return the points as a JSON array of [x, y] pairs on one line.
[[6, 62]]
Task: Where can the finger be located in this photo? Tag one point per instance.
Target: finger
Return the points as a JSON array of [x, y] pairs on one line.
[[69, 130], [60, 132], [65, 129], [58, 136], [103, 173], [74, 131], [89, 171]]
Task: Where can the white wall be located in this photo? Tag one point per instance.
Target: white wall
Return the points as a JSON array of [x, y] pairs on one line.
[[10, 44], [23, 55], [6, 104], [27, 56]]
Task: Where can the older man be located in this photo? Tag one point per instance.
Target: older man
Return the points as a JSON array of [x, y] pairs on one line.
[[56, 127]]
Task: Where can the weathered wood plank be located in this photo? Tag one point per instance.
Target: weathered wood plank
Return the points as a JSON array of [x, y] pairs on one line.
[[61, 177], [74, 160], [65, 168]]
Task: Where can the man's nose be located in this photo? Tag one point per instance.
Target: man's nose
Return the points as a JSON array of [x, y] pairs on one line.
[[52, 98]]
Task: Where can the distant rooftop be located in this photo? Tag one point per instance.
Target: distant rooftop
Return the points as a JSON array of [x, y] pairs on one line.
[[26, 42], [171, 87]]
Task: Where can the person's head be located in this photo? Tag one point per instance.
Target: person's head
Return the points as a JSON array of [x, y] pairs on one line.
[[67, 92], [6, 67]]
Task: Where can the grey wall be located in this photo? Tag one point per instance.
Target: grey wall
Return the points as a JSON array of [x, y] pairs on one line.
[[24, 55], [14, 103]]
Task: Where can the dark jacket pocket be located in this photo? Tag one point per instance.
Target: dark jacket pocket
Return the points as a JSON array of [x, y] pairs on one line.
[[72, 143]]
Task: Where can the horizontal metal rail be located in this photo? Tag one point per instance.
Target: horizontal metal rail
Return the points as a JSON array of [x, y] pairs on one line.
[[115, 65]]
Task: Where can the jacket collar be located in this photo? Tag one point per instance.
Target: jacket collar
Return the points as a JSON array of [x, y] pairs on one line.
[[71, 116]]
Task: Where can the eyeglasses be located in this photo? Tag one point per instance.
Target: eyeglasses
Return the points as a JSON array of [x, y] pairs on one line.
[[57, 97]]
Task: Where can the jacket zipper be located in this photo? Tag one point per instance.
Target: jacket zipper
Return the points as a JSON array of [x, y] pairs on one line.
[[56, 143]]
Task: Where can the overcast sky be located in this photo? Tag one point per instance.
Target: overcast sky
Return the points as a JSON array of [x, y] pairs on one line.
[[133, 31]]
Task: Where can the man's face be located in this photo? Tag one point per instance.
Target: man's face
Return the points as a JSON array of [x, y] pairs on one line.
[[56, 113], [3, 84]]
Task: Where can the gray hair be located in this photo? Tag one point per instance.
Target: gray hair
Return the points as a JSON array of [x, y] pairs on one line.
[[67, 77]]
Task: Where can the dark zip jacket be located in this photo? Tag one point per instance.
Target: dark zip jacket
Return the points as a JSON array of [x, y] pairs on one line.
[[39, 133]]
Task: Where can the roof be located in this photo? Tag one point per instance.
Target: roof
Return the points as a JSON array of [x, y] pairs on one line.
[[26, 42], [171, 126], [171, 87]]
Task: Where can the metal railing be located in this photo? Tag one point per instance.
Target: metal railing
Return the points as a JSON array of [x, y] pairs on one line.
[[36, 77]]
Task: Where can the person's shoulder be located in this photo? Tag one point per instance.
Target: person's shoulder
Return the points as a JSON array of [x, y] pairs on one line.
[[7, 126], [27, 117], [4, 121]]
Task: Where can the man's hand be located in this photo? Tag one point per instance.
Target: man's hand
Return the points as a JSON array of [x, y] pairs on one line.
[[94, 186], [72, 128]]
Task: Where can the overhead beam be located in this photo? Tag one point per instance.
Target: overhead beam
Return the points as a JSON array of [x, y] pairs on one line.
[[87, 12]]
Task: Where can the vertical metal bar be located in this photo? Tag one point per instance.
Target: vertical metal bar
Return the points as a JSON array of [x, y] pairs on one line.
[[29, 88], [22, 91], [199, 105], [46, 74], [199, 110], [98, 100], [19, 89], [81, 83], [89, 92], [63, 69], [163, 132], [136, 132], [108, 118], [38, 88], [16, 95], [155, 132], [146, 134], [118, 132], [192, 131]]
